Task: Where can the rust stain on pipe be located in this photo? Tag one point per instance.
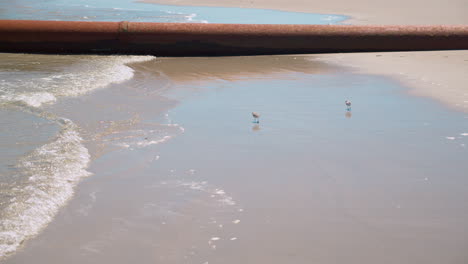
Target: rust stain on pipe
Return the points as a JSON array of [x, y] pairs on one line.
[[187, 39]]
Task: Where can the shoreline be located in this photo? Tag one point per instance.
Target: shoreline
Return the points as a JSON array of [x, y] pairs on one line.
[[435, 74], [211, 195], [361, 11], [169, 202]]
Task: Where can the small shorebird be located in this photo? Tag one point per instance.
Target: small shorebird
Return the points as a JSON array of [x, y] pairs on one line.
[[256, 117], [348, 105]]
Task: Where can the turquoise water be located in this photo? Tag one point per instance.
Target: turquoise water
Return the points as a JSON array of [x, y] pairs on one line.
[[105, 10]]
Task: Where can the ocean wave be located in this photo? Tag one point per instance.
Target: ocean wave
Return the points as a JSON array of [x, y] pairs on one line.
[[76, 75], [30, 99], [48, 177]]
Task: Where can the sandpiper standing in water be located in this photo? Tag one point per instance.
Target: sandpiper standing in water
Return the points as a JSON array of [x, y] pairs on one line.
[[256, 117], [348, 105]]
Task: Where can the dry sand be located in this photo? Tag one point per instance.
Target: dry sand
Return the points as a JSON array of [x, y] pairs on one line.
[[442, 75]]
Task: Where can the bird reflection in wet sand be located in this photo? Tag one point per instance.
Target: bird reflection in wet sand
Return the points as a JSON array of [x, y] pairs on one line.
[[256, 128], [348, 114]]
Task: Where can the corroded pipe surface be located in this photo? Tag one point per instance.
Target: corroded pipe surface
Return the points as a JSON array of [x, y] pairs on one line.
[[185, 39]]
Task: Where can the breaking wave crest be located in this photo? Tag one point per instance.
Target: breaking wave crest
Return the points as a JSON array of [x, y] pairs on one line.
[[33, 85], [47, 178]]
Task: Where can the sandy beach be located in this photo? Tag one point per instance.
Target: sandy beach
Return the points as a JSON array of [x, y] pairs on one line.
[[311, 182], [441, 75], [122, 159]]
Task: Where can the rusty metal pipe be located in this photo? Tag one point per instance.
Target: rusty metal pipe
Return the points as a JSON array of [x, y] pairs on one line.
[[186, 39]]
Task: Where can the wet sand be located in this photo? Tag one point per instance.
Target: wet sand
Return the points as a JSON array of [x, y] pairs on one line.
[[440, 75], [311, 182], [182, 175]]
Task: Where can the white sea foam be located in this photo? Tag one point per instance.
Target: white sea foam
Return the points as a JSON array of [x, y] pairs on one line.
[[132, 135], [219, 195], [153, 142], [47, 176], [76, 76], [127, 9], [50, 175], [141, 138], [331, 18], [192, 18], [31, 99], [186, 17]]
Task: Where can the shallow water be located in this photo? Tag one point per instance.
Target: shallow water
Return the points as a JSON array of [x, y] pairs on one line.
[[188, 184], [311, 181], [43, 162], [317, 182], [44, 149]]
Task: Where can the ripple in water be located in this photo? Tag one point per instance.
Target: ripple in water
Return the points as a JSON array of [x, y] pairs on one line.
[[45, 178], [33, 80], [48, 176]]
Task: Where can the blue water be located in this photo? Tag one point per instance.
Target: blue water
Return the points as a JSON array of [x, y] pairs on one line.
[[118, 10]]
